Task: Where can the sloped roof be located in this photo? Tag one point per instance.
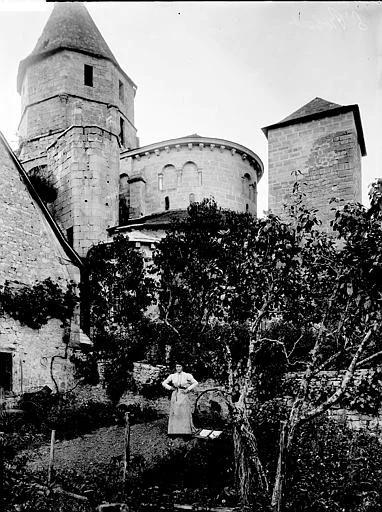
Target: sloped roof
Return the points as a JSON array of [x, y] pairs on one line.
[[69, 251], [312, 107], [154, 221], [317, 109], [69, 26]]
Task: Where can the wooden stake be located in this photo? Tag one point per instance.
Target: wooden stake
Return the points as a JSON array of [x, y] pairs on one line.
[[1, 461], [126, 444], [51, 456]]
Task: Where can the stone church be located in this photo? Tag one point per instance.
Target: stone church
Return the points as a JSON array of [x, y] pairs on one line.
[[77, 134]]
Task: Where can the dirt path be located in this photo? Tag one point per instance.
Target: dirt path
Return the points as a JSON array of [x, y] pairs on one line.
[[149, 444]]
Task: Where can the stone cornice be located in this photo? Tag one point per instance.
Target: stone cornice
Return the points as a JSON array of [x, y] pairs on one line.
[[83, 128], [77, 96], [202, 143]]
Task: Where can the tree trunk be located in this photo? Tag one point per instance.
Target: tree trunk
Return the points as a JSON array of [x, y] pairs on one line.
[[248, 467], [243, 471], [277, 495]]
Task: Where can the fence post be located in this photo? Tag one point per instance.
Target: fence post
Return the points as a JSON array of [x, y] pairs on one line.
[[51, 457], [126, 447], [2, 463]]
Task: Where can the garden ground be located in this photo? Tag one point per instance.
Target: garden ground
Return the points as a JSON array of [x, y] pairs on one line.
[[149, 445]]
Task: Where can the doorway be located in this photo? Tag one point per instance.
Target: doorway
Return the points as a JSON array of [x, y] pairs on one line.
[[6, 371]]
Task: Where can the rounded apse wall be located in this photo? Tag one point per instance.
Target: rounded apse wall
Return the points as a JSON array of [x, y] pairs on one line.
[[170, 175]]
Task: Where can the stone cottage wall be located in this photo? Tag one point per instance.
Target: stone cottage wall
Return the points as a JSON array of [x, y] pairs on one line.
[[29, 252]]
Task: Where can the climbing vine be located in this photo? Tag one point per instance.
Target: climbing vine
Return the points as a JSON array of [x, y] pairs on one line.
[[46, 190], [35, 305]]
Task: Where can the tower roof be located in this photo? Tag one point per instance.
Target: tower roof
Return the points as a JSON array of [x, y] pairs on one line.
[[69, 26], [317, 109], [312, 107]]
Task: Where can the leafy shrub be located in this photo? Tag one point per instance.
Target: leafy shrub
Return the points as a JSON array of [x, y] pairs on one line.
[[47, 411], [45, 189], [85, 366], [22, 493], [138, 413], [334, 468], [35, 305], [70, 420]]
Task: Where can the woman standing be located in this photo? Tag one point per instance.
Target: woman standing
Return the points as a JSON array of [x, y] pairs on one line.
[[180, 419]]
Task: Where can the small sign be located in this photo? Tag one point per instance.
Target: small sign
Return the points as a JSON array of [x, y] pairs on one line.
[[208, 434]]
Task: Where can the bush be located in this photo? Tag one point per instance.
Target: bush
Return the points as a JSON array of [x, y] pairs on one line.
[[71, 420], [23, 493], [334, 468], [138, 413], [47, 411]]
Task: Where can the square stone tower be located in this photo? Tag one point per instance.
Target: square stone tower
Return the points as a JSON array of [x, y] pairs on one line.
[[77, 114], [324, 141]]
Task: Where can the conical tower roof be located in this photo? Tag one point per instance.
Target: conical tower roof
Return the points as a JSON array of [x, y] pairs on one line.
[[69, 26]]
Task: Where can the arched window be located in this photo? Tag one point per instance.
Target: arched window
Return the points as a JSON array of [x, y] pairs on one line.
[[166, 203], [160, 181], [121, 131], [190, 176], [169, 177], [253, 191], [247, 186], [124, 199]]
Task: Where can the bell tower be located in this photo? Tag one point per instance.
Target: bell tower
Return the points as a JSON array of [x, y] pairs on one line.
[[77, 115]]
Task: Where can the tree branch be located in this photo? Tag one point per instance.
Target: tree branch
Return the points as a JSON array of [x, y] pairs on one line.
[[295, 346], [335, 397], [368, 359]]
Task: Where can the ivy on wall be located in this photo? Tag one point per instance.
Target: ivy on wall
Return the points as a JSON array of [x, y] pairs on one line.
[[45, 189], [35, 305]]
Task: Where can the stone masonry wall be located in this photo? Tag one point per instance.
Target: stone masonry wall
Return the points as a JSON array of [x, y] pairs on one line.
[[147, 374], [327, 153], [29, 252], [192, 173], [32, 351], [84, 166], [53, 87], [63, 73], [351, 418]]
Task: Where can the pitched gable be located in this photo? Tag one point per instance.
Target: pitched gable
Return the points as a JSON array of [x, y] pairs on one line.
[[31, 244]]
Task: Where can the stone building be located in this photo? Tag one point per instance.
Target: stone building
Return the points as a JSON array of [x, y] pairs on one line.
[[32, 249], [77, 131], [324, 141], [77, 136]]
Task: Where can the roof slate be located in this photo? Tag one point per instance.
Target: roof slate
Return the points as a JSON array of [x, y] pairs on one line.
[[313, 107], [71, 26]]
